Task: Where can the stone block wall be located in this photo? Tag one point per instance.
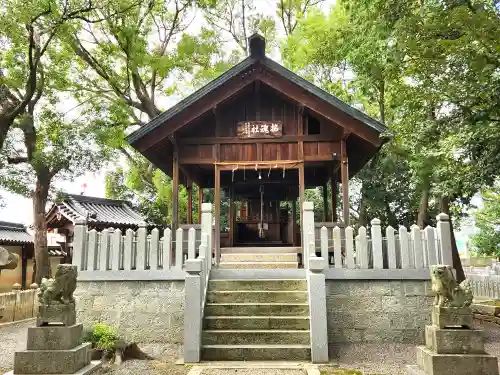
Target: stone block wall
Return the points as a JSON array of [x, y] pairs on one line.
[[141, 311], [378, 310]]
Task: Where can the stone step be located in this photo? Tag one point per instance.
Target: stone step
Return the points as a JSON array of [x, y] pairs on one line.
[[256, 352], [256, 322], [258, 284], [259, 257], [255, 337], [260, 250], [224, 296], [259, 309], [257, 265]]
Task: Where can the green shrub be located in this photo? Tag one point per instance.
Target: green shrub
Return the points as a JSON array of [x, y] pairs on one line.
[[104, 337]]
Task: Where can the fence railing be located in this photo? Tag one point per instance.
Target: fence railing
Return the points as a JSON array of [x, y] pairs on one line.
[[377, 248], [18, 304], [132, 255], [484, 285]]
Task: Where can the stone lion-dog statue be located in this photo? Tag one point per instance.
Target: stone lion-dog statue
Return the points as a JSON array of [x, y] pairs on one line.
[[448, 292], [59, 289]]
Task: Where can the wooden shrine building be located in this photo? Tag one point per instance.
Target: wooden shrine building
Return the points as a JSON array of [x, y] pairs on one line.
[[262, 135]]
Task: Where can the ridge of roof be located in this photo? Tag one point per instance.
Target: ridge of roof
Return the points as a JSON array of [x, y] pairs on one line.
[[239, 68], [96, 200], [12, 225]]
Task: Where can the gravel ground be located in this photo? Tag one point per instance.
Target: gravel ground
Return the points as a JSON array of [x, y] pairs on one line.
[[12, 338], [387, 359]]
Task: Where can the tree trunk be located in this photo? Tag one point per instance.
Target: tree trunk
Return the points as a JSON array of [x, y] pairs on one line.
[[424, 205], [41, 251], [444, 206]]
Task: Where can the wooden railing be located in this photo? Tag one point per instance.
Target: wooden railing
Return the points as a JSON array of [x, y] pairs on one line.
[[18, 304]]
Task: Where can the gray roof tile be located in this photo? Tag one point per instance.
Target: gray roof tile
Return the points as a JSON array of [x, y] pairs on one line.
[[14, 233]]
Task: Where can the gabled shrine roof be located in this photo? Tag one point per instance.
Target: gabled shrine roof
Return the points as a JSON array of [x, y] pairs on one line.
[[256, 58]]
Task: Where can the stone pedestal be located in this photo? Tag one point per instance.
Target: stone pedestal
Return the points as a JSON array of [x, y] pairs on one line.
[[452, 346], [55, 350], [54, 345]]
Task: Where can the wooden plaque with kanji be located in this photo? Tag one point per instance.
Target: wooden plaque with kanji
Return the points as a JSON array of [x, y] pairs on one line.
[[260, 129]]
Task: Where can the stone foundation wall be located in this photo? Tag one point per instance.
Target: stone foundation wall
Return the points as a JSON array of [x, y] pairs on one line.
[[141, 311], [378, 311]]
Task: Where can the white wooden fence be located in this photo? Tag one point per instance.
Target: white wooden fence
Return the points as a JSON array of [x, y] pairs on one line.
[[133, 255], [379, 248]]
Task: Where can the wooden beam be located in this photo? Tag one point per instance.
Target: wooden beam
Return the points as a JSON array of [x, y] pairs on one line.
[[325, 203], [197, 109], [334, 183], [200, 202], [236, 140], [24, 265], [189, 188], [175, 191], [231, 216], [344, 171], [217, 214]]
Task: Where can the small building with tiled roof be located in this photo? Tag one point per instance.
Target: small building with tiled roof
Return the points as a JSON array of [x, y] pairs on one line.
[[99, 213]]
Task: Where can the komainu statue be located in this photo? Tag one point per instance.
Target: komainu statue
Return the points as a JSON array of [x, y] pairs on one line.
[[60, 289], [448, 292], [8, 261]]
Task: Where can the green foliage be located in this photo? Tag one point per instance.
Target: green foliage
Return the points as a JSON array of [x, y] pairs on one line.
[[104, 337], [487, 241]]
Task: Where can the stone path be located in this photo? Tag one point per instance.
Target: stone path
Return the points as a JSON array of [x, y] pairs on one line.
[[12, 338]]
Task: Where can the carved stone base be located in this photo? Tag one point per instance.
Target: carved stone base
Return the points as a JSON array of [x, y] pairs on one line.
[[457, 364], [52, 361], [54, 337], [454, 341], [56, 314], [452, 317]]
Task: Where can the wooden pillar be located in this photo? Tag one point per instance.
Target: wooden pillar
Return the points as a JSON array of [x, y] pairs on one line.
[[334, 196], [294, 221], [189, 188], [230, 218], [345, 181], [301, 201], [175, 191], [200, 202], [24, 265], [217, 214], [325, 202]]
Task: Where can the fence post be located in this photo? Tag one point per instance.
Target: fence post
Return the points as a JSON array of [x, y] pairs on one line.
[[142, 245], [103, 250], [444, 236], [192, 311], [317, 304], [128, 250], [405, 248], [17, 312], [179, 256], [153, 249], [167, 248], [378, 257], [391, 247], [92, 253], [34, 306], [324, 245], [116, 246], [362, 248], [191, 243], [206, 227], [79, 245], [349, 246], [308, 231], [337, 247], [416, 239]]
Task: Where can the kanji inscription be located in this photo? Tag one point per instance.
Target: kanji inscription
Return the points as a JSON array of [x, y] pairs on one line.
[[260, 129]]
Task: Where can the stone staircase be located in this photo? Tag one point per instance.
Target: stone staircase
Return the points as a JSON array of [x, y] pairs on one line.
[[258, 257], [256, 320]]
